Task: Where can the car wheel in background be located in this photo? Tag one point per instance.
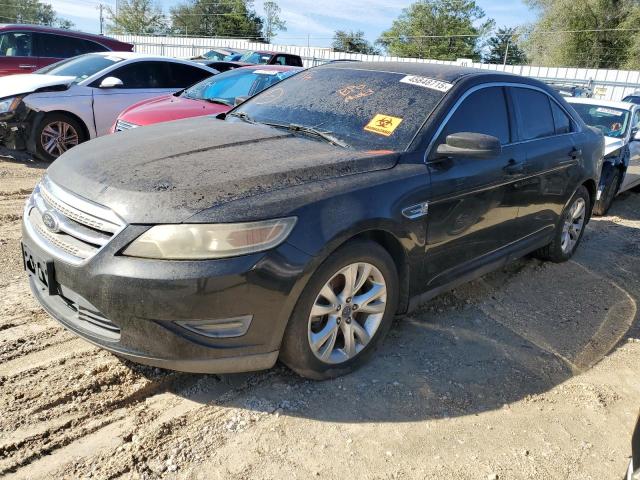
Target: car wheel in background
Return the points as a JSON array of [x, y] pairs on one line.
[[570, 229], [602, 206], [344, 312], [55, 134]]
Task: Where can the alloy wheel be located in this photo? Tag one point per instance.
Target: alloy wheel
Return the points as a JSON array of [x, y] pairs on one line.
[[347, 313], [573, 225], [58, 137]]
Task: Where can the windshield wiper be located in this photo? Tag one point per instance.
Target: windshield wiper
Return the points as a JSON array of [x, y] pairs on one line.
[[219, 101], [325, 135], [242, 115]]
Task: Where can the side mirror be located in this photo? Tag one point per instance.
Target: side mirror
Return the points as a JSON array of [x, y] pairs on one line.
[[471, 145], [635, 134], [239, 100], [111, 82]]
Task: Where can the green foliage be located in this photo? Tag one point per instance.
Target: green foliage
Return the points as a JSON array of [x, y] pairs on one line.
[[438, 29], [585, 33], [272, 21], [222, 18], [504, 41], [31, 11], [136, 17], [353, 42]]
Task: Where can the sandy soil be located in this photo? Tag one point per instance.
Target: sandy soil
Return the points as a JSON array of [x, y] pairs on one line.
[[530, 372]]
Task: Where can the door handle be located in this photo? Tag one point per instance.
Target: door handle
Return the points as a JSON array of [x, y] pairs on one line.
[[575, 153], [27, 66], [514, 168]]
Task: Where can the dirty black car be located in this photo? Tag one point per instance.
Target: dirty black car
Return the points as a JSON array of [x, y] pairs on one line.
[[300, 225]]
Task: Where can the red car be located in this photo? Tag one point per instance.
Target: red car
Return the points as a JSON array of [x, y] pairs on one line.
[[26, 48], [211, 96]]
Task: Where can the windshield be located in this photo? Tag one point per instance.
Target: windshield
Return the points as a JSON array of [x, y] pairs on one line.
[[364, 109], [81, 67], [613, 122], [215, 55], [228, 86], [255, 57]]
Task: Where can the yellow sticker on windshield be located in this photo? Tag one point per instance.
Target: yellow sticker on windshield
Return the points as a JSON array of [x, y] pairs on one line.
[[383, 125]]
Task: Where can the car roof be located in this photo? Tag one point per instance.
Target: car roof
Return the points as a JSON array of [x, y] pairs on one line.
[[602, 103], [447, 73], [275, 68], [59, 31], [145, 56]]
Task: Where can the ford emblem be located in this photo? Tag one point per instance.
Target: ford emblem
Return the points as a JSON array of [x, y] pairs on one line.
[[51, 221]]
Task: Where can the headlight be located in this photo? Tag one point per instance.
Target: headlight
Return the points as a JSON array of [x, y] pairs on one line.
[[9, 104], [202, 241]]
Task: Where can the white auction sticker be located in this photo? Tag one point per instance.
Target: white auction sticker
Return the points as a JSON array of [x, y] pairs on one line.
[[266, 72], [426, 82]]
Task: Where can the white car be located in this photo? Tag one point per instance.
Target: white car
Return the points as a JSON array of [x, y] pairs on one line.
[[74, 100], [620, 124]]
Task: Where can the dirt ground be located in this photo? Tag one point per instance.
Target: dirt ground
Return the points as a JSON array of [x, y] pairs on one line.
[[530, 372]]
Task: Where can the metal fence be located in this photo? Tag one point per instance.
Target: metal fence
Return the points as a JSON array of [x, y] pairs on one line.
[[607, 84]]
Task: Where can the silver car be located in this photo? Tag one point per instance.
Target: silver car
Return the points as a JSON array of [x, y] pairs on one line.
[[78, 99]]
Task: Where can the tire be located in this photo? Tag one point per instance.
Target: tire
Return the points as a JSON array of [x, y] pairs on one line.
[[602, 206], [558, 251], [51, 125], [333, 357]]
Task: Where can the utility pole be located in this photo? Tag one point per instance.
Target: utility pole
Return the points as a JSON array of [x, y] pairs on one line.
[[506, 51], [101, 7]]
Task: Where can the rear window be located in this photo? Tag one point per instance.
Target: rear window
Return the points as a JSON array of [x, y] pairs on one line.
[[369, 110]]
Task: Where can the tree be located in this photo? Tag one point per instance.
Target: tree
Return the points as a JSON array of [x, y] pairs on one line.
[[504, 42], [222, 18], [140, 17], [31, 11], [272, 21], [353, 42], [584, 33], [438, 29]]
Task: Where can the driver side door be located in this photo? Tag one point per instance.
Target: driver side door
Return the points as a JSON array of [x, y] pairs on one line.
[[632, 176]]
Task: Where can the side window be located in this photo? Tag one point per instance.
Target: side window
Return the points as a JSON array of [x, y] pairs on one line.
[[534, 108], [181, 76], [281, 60], [142, 75], [16, 44], [62, 46], [561, 119], [484, 111]]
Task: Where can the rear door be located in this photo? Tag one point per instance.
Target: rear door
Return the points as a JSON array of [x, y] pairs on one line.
[[546, 132], [474, 207], [17, 53]]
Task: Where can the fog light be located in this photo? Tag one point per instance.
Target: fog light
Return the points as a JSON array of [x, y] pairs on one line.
[[221, 328]]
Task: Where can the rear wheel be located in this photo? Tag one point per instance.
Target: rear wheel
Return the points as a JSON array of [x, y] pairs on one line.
[[602, 206], [570, 229], [343, 314], [55, 134]]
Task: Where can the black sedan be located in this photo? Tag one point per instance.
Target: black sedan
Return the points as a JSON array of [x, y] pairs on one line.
[[297, 227]]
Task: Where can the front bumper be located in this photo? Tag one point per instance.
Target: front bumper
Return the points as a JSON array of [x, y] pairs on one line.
[[137, 308]]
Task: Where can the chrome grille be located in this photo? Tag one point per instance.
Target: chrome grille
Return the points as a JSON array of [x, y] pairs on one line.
[[71, 228], [121, 126]]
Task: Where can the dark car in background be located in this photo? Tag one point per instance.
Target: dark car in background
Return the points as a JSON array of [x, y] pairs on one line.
[[222, 65], [301, 224], [26, 48], [271, 58]]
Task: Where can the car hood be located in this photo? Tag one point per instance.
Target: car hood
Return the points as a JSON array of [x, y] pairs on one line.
[[168, 172], [29, 83], [170, 107], [612, 144]]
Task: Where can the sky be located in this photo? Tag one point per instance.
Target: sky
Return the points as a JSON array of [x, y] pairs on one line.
[[314, 20]]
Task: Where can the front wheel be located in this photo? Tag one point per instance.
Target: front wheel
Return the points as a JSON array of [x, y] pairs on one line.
[[570, 229], [343, 313], [55, 134]]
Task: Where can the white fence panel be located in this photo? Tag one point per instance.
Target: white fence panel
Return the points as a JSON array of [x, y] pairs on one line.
[[608, 84]]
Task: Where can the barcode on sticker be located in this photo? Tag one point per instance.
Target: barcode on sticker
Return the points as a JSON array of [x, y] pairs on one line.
[[426, 82]]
